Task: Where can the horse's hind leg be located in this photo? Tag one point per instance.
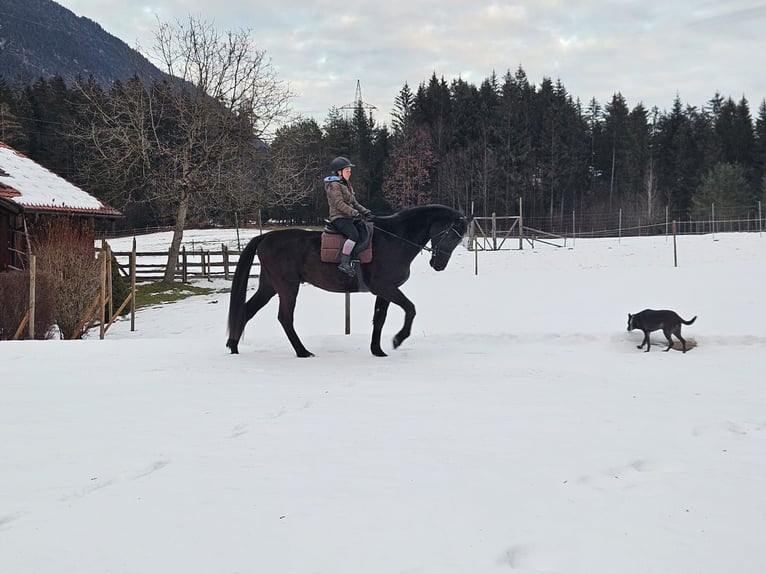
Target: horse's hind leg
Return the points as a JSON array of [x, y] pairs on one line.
[[262, 296], [381, 311], [287, 299]]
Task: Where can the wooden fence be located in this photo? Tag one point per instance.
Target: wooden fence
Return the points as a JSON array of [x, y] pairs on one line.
[[192, 264], [491, 234], [102, 312]]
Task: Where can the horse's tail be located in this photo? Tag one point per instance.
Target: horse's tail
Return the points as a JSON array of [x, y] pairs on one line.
[[238, 294]]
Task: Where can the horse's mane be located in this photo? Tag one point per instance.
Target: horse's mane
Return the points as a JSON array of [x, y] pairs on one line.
[[419, 211], [416, 209]]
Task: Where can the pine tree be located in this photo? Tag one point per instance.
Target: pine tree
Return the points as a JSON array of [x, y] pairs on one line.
[[402, 111], [724, 187], [759, 161]]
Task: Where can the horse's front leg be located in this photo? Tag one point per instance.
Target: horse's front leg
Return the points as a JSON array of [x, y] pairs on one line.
[[396, 297], [378, 318], [287, 298]]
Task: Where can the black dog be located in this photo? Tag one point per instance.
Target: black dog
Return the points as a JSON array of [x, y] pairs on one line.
[[650, 320]]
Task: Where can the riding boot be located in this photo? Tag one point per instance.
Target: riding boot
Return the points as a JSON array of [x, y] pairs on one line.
[[346, 266]]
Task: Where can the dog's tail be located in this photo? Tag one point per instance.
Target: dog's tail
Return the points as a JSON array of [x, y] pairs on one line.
[[690, 321]]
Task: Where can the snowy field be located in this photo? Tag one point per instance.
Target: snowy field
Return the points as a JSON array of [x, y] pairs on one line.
[[518, 430]]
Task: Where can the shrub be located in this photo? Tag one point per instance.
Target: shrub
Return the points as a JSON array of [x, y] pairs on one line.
[[14, 303], [64, 250]]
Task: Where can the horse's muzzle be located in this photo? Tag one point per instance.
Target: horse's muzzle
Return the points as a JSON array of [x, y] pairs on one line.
[[437, 265]]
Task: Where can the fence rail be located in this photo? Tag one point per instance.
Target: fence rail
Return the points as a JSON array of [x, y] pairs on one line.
[[623, 222], [192, 264]]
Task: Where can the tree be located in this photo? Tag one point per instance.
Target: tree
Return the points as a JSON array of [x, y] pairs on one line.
[[514, 133], [615, 128], [760, 148], [676, 159], [734, 127], [296, 166], [186, 139], [638, 181], [408, 183], [402, 111], [11, 130], [726, 188]]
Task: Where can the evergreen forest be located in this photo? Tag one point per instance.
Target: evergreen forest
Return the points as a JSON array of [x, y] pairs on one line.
[[504, 145]]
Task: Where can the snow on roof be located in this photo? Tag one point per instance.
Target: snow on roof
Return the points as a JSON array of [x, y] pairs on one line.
[[30, 185]]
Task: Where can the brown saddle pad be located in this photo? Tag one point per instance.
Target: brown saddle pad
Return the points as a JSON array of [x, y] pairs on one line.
[[332, 243]]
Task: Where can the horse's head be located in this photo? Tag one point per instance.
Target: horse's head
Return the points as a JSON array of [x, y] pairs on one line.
[[445, 235]]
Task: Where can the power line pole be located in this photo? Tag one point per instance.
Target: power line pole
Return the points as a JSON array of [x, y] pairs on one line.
[[349, 109]]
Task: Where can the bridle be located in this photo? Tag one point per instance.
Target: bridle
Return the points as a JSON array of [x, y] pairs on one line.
[[437, 241]]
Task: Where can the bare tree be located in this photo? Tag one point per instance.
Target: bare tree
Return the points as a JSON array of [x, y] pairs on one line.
[[187, 142], [409, 180], [296, 166]]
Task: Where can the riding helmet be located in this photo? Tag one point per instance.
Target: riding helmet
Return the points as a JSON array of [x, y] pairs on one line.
[[339, 163]]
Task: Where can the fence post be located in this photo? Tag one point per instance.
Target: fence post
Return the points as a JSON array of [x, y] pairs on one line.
[[675, 252], [348, 314], [521, 225], [236, 224], [32, 290], [225, 254], [474, 242], [574, 228], [133, 287], [102, 293], [619, 228], [184, 270], [109, 285]]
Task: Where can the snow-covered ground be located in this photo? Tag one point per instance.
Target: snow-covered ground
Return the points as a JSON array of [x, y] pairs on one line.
[[518, 430]]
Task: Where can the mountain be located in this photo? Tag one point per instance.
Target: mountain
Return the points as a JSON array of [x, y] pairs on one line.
[[40, 38]]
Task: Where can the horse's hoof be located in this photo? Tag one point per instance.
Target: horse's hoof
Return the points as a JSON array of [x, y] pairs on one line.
[[233, 346], [379, 353], [305, 355], [397, 341]]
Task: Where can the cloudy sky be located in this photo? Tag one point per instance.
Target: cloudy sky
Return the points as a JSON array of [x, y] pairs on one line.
[[649, 51]]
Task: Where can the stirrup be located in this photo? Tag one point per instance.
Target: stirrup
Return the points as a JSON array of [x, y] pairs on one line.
[[350, 271]]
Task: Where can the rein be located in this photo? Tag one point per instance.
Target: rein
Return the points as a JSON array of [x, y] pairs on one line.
[[435, 242]]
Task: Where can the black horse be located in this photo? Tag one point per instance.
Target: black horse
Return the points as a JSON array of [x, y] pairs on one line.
[[290, 257]]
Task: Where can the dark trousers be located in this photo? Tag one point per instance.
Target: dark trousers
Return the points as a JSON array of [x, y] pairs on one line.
[[348, 228], [355, 230]]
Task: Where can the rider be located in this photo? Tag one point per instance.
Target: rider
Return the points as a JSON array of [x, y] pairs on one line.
[[346, 214]]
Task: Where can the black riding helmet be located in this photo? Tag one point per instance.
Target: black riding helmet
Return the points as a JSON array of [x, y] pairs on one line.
[[339, 163]]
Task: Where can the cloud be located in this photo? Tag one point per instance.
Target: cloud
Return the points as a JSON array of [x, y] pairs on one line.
[[648, 50]]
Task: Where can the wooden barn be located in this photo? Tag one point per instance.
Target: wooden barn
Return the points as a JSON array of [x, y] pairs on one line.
[[30, 198]]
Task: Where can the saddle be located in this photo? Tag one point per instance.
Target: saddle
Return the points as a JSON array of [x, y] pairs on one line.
[[332, 243]]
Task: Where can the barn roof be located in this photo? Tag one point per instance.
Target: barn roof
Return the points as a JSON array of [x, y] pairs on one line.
[[27, 185]]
